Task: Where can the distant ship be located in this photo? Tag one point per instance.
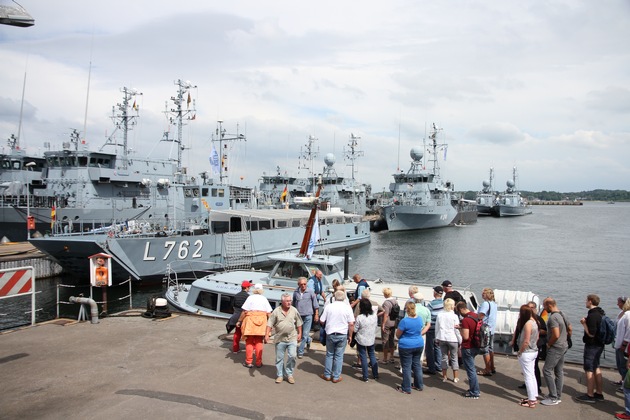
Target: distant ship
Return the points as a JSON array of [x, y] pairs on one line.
[[338, 192], [510, 202], [486, 198], [421, 200]]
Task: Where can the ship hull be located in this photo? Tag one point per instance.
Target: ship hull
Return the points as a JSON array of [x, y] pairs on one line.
[[402, 217], [146, 257]]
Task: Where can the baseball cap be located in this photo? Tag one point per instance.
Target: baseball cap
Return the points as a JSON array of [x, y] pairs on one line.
[[447, 283], [438, 289], [418, 296], [247, 283], [258, 286]]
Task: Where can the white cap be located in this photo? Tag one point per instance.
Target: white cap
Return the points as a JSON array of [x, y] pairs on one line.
[[418, 296], [258, 286]]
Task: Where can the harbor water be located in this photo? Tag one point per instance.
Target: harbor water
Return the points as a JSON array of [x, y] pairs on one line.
[[566, 252]]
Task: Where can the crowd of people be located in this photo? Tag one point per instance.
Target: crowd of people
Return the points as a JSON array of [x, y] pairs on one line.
[[444, 330]]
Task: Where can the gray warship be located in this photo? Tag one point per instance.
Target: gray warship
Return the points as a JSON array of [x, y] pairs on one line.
[[200, 222], [486, 198], [510, 202], [82, 189], [421, 200]]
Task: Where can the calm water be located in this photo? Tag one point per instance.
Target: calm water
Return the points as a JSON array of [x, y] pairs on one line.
[[562, 251]]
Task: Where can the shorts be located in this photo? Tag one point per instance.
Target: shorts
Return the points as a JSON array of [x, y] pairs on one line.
[[489, 348], [387, 337], [592, 354]]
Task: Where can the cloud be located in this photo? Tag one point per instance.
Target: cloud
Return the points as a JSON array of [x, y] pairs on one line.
[[498, 133]]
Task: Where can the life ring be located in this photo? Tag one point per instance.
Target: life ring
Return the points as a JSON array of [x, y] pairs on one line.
[[110, 233]]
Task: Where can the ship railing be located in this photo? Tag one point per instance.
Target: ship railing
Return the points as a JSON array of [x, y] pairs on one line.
[[181, 273]]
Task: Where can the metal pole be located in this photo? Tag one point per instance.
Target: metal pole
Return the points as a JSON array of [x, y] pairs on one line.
[[57, 301], [130, 298]]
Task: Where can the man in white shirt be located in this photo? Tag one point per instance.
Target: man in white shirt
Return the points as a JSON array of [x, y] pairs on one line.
[[338, 320]]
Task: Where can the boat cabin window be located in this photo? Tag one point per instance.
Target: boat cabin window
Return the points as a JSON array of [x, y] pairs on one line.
[[215, 302], [204, 192], [218, 192], [83, 161], [291, 270], [295, 223], [251, 225], [220, 227], [207, 300], [281, 223]]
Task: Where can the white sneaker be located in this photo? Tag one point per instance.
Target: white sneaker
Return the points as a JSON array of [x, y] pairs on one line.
[[456, 380], [550, 401]]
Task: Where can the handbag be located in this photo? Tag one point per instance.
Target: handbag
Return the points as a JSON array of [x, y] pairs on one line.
[[566, 326]]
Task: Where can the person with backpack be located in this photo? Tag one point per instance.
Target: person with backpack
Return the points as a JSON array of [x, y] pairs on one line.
[[526, 334], [593, 349], [362, 284], [469, 329], [488, 312], [391, 312]]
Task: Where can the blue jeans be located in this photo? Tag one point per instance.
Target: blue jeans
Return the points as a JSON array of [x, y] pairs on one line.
[[410, 362], [281, 349], [468, 359], [626, 396], [335, 346], [364, 352], [433, 353], [306, 330], [621, 363]]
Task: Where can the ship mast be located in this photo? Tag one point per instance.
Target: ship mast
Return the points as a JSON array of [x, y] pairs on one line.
[[353, 152], [308, 154], [223, 137], [178, 114], [124, 121]]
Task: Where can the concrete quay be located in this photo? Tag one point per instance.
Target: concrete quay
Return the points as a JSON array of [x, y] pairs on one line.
[[127, 366], [20, 254]]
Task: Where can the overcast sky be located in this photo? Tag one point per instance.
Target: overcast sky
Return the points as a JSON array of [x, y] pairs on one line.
[[540, 85]]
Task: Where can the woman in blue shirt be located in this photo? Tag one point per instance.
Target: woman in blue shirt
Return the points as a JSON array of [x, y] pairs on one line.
[[410, 345]]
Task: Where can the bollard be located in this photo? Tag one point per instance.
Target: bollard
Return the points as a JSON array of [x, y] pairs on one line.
[[88, 301]]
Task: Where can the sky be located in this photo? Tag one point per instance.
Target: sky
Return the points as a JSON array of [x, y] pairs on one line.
[[543, 86]]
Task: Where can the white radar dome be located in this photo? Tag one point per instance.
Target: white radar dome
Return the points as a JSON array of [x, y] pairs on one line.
[[329, 159], [486, 183], [510, 183], [416, 153]]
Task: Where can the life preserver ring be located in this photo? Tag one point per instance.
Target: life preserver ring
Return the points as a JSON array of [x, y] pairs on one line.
[[110, 233]]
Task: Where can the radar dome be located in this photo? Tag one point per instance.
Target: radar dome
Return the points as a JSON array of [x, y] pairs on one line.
[[416, 153], [329, 159], [510, 183], [486, 183]]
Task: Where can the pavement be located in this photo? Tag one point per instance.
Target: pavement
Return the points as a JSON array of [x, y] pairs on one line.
[[127, 366]]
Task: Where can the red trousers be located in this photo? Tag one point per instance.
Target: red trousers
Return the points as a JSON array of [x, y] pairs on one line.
[[254, 343], [236, 346]]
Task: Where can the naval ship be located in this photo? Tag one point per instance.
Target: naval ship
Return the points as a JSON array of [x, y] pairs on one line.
[[510, 202], [486, 198], [421, 200], [202, 223]]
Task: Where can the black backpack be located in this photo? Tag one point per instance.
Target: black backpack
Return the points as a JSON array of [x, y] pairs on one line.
[[394, 311]]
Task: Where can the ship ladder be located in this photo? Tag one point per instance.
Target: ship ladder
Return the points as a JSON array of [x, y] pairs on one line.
[[237, 249]]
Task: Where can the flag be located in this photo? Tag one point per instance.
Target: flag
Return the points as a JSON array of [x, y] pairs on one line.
[[53, 216], [445, 150], [214, 161], [283, 197], [314, 237], [188, 101], [135, 106]]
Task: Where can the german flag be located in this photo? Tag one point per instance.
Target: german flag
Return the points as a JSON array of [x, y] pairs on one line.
[[53, 216], [283, 197]]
